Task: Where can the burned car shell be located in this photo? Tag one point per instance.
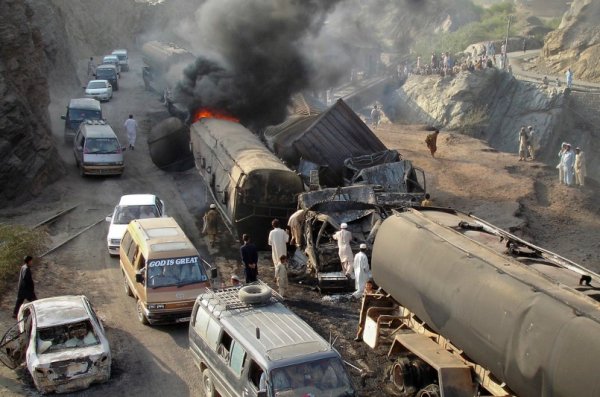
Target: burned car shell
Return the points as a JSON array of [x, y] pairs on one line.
[[68, 369]]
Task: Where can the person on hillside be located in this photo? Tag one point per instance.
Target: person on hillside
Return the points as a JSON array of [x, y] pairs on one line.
[[344, 237], [532, 143], [431, 142], [278, 239], [361, 271], [569, 78], [375, 116], [580, 171], [427, 202], [249, 255], [523, 143], [131, 127], [25, 287], [211, 222], [561, 153], [568, 163]]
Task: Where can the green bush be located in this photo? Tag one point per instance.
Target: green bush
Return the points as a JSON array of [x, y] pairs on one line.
[[15, 243]]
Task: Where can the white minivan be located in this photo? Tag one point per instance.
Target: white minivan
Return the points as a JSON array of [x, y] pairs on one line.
[[97, 149]]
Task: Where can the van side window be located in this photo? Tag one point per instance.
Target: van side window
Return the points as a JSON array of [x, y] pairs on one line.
[[201, 322], [126, 241], [225, 346], [254, 374], [238, 355], [140, 263], [131, 252], [212, 334]]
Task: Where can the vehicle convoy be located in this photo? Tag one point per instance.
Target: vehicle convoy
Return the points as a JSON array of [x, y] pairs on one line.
[[248, 183], [130, 207], [471, 310], [112, 60], [80, 109], [246, 343], [162, 270], [97, 149], [62, 342]]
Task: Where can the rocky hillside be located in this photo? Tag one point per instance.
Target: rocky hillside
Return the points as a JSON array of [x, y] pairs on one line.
[[492, 105], [576, 42], [29, 159]]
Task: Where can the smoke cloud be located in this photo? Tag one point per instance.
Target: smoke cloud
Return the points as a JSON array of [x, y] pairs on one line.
[[253, 58]]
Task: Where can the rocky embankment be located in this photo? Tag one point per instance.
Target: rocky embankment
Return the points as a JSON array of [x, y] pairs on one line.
[[492, 105], [576, 42], [29, 159]]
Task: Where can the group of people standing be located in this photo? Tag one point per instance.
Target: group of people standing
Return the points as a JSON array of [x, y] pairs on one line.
[[528, 143], [571, 166]]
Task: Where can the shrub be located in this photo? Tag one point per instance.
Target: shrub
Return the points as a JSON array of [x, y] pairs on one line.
[[15, 243]]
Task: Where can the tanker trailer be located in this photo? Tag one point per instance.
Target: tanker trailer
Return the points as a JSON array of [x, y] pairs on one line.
[[468, 309]]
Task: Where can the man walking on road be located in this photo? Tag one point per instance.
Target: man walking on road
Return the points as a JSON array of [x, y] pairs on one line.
[[431, 142], [26, 288], [91, 68], [249, 259], [131, 128], [580, 170]]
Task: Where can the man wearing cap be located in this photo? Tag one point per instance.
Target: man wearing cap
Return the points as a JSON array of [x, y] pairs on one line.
[[580, 171], [361, 271], [568, 163], [343, 237], [211, 221], [26, 288]]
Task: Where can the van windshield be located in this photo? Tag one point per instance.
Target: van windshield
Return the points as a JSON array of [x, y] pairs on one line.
[[82, 114], [175, 271], [325, 377], [105, 74], [102, 146], [121, 57]]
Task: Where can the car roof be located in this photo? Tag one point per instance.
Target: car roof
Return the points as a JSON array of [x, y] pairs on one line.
[[138, 199], [109, 56], [84, 103], [98, 81], [59, 310], [107, 66], [97, 129], [283, 335], [120, 51], [162, 237]]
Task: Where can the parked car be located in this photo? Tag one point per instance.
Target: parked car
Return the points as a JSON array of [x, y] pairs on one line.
[[108, 72], [80, 109], [112, 60], [130, 207], [247, 343], [99, 89], [123, 59], [61, 341], [97, 149]]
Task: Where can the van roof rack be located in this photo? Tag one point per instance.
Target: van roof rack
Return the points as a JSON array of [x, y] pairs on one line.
[[94, 122], [225, 299]]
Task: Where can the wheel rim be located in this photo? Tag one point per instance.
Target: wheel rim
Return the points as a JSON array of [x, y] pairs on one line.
[[208, 386]]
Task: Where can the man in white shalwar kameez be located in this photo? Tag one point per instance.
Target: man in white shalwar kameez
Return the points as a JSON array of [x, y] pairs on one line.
[[361, 271], [568, 162], [131, 128], [278, 239], [343, 238], [561, 153]]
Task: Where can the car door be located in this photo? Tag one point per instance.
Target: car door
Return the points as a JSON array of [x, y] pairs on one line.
[[13, 345], [78, 144]]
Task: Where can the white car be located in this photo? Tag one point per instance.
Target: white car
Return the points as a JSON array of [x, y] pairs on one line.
[[99, 89], [61, 341], [113, 60], [130, 207]]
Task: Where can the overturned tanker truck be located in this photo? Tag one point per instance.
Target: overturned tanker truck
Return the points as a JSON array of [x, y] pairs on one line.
[[467, 309], [248, 183]]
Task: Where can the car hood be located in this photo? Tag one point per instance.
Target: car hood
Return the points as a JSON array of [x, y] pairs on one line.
[[96, 90], [116, 231]]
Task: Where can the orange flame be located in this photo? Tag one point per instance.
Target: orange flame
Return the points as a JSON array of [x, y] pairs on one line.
[[205, 113]]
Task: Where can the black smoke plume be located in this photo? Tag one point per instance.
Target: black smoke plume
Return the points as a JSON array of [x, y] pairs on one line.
[[257, 61]]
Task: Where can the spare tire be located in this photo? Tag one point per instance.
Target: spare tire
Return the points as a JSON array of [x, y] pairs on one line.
[[169, 145], [254, 294]]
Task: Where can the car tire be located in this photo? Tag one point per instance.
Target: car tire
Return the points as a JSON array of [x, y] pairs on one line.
[[207, 383], [140, 313], [255, 294], [128, 290]]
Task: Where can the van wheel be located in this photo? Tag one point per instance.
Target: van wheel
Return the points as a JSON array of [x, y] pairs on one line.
[[209, 387], [128, 290], [255, 294], [140, 312]]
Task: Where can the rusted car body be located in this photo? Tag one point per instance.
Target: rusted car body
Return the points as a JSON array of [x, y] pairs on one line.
[[62, 343], [469, 309]]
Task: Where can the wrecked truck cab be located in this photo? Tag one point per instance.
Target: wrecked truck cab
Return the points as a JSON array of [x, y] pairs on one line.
[[61, 341]]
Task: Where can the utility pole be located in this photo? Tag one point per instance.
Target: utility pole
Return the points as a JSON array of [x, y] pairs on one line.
[[505, 55]]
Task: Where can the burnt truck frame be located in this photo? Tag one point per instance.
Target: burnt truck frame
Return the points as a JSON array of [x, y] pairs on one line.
[[467, 309], [249, 185]]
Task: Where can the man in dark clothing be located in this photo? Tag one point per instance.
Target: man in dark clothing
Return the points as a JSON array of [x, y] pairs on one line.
[[250, 259], [26, 289]]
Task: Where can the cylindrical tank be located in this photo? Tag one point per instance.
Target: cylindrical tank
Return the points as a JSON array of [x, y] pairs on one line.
[[169, 145], [535, 334]]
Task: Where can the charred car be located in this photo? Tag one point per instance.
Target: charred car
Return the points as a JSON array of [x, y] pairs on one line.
[[61, 341]]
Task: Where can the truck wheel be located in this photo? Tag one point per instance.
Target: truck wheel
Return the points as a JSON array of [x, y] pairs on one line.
[[128, 290], [140, 312], [209, 387], [255, 294], [432, 390]]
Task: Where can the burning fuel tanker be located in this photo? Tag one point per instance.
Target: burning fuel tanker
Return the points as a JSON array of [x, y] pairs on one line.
[[248, 183], [514, 318]]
